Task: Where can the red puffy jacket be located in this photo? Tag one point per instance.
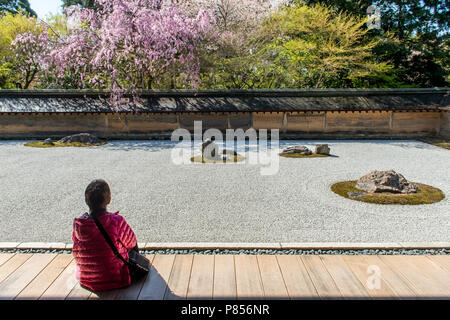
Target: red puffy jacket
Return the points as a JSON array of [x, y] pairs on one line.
[[98, 268]]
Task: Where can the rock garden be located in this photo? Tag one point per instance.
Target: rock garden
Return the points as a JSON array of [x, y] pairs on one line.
[[196, 202]]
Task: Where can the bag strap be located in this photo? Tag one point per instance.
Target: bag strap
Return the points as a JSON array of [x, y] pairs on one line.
[[108, 239]]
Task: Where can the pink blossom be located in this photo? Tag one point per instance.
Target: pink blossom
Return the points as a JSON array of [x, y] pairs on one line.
[[127, 45]]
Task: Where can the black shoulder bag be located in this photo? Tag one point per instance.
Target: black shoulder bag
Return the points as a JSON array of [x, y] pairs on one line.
[[137, 264]]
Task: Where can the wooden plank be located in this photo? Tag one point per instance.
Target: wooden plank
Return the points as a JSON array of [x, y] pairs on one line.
[[63, 285], [366, 270], [322, 280], [298, 283], [5, 257], [104, 295], [23, 275], [271, 277], [129, 293], [432, 269], [79, 293], [47, 276], [441, 260], [224, 277], [155, 285], [132, 292], [395, 280], [12, 264], [202, 277], [422, 282], [248, 278], [35, 288], [179, 278], [345, 280]]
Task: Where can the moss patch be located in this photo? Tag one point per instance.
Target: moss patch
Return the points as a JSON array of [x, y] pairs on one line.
[[300, 155], [438, 142], [425, 194], [200, 159], [444, 144], [40, 144]]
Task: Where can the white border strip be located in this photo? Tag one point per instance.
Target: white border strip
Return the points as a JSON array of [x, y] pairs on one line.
[[240, 245]]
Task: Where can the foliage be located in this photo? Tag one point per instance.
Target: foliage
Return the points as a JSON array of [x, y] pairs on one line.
[[415, 37], [443, 143], [421, 54], [29, 49], [316, 47], [14, 6], [6, 76], [82, 3], [58, 25], [233, 15], [12, 60], [128, 45], [227, 59]]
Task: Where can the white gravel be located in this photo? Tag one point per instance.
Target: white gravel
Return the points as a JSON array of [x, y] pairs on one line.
[[42, 191]]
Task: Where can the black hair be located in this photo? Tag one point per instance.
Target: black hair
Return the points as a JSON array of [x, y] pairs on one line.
[[97, 195]]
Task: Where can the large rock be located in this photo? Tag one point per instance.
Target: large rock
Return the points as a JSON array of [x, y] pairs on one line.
[[322, 149], [385, 181], [210, 149], [298, 149], [86, 138]]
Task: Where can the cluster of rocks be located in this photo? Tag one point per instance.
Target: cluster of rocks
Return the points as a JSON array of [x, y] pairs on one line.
[[85, 138], [320, 149], [385, 181]]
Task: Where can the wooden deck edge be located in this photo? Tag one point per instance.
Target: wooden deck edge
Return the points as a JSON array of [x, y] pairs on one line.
[[239, 245]]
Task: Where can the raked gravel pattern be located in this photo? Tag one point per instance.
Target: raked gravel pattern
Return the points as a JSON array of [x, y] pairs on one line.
[[42, 191]]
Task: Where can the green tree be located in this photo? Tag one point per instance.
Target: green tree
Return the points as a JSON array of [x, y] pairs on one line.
[[416, 37], [13, 6], [421, 30], [18, 55], [229, 59], [11, 24], [316, 47]]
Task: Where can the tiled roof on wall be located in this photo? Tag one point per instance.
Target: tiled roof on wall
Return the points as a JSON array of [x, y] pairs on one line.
[[18, 101]]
